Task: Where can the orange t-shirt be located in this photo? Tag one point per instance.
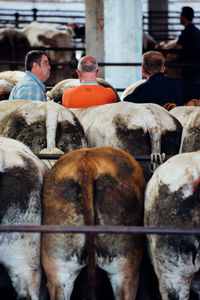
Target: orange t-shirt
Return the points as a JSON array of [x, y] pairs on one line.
[[87, 95]]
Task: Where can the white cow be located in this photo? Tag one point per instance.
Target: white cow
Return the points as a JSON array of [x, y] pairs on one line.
[[182, 113], [12, 76], [139, 129], [20, 204], [8, 79], [172, 200], [41, 125], [131, 88], [189, 117]]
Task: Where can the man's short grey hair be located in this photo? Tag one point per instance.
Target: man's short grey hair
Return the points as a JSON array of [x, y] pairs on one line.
[[87, 64]]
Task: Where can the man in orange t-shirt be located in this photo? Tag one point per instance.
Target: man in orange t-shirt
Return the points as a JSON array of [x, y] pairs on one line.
[[89, 92]]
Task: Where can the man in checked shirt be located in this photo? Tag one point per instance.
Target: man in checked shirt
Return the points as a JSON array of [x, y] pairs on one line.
[[31, 86]]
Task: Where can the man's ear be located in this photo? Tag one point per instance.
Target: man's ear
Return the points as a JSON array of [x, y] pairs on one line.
[[144, 73], [78, 72], [34, 65], [97, 72]]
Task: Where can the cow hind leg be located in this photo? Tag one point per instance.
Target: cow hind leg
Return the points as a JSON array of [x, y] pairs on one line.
[[178, 289], [124, 278], [61, 276], [26, 282], [21, 260]]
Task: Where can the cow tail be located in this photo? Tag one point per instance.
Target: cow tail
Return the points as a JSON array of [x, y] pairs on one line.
[[87, 181]]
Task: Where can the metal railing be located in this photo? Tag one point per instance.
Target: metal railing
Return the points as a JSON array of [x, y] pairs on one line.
[[99, 229]]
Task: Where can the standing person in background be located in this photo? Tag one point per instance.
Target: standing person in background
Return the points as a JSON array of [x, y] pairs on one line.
[[89, 92], [189, 45], [31, 86]]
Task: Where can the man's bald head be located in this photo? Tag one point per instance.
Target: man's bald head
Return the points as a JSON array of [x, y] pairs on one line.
[[87, 64]]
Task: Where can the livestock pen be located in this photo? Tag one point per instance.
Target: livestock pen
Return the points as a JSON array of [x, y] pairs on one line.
[[148, 287]]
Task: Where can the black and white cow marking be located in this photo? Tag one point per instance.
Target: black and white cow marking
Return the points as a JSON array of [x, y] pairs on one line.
[[21, 180], [139, 129], [41, 125], [172, 200]]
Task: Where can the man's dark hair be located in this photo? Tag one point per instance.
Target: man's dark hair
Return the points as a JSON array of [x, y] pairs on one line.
[[188, 13], [33, 56]]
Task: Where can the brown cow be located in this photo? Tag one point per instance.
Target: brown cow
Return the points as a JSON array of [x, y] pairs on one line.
[[96, 186]]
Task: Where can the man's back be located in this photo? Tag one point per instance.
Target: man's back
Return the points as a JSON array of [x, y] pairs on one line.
[[86, 95], [161, 89]]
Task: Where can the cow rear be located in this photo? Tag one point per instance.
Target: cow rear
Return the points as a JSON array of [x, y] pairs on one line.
[[21, 179], [98, 186]]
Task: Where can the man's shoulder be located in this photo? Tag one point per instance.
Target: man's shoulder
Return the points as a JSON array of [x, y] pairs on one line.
[[85, 87], [72, 89]]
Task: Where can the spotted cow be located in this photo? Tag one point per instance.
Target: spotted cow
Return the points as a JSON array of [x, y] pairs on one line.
[[21, 174], [98, 186], [139, 129], [189, 118], [41, 125], [172, 200]]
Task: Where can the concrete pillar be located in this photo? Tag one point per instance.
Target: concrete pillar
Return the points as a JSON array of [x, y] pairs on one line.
[[94, 29], [114, 35], [122, 41], [158, 19]]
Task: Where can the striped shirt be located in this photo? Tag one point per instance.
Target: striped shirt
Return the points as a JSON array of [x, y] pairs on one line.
[[29, 88]]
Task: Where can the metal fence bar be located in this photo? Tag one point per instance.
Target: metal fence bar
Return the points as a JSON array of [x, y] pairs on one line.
[[56, 156], [99, 229]]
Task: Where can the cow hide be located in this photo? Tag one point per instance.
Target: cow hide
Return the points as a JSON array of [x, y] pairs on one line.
[[41, 125]]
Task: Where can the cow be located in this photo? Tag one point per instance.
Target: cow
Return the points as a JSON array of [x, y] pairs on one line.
[[13, 48], [182, 113], [21, 184], [172, 200], [98, 186], [189, 117], [139, 129], [6, 87], [41, 125], [8, 79], [44, 35], [55, 94], [12, 76], [131, 88]]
